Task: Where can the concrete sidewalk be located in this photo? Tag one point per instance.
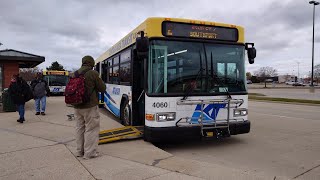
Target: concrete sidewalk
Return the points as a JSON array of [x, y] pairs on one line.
[[43, 148]]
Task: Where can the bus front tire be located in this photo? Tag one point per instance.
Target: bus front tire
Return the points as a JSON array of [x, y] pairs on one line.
[[125, 113]]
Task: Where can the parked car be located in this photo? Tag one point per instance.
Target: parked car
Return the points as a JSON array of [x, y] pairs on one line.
[[298, 84], [290, 82]]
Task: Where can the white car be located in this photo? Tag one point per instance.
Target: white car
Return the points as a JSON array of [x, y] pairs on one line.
[[290, 82]]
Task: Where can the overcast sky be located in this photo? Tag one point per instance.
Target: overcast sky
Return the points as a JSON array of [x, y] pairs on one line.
[[67, 30]]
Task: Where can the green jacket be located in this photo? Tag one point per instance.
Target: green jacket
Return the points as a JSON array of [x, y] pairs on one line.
[[93, 85]]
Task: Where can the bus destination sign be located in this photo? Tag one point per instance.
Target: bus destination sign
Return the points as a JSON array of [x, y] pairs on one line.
[[56, 73], [174, 29]]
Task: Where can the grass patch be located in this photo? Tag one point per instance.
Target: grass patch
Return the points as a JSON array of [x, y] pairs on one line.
[[284, 99]]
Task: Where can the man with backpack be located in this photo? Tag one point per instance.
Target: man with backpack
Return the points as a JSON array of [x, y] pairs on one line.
[[40, 90], [82, 92]]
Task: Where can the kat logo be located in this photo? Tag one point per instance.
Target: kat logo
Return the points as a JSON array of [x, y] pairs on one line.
[[210, 112]]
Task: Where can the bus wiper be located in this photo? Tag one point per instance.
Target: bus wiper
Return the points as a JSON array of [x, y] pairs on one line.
[[217, 79], [190, 89], [228, 93]]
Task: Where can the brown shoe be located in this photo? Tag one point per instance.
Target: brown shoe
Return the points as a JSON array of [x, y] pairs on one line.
[[38, 113], [42, 113]]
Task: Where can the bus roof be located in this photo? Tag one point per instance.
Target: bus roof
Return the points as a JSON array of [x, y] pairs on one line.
[[153, 28]]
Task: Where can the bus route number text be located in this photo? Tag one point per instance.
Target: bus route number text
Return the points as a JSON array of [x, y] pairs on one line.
[[160, 105]]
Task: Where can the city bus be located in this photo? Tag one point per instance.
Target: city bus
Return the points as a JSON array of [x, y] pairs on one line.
[[179, 78], [57, 80]]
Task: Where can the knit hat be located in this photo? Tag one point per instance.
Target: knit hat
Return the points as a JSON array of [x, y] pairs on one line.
[[88, 60]]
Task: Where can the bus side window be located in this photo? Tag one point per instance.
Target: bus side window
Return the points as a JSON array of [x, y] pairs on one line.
[[125, 74], [115, 74], [108, 70], [125, 68]]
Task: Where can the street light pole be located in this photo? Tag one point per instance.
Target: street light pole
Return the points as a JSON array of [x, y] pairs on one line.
[[314, 5]]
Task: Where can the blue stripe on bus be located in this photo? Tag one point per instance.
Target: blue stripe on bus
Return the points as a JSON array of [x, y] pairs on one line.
[[112, 108]]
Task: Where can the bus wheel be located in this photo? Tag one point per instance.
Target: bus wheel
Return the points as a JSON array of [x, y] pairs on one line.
[[125, 113]]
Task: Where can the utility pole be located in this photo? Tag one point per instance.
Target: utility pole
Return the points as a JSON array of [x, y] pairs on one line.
[[314, 3]]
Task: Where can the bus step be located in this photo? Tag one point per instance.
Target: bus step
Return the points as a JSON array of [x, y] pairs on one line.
[[127, 132]]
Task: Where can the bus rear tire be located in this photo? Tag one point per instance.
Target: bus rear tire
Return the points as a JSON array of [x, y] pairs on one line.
[[125, 113]]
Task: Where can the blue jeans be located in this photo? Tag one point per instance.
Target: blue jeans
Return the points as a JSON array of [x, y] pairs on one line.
[[21, 110], [41, 100]]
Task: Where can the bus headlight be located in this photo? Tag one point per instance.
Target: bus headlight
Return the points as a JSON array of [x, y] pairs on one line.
[[166, 116], [240, 112]]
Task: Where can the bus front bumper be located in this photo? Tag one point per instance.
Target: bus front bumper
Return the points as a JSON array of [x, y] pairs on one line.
[[155, 134]]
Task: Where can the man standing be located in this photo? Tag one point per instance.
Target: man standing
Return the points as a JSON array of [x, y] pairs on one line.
[[40, 90], [87, 114]]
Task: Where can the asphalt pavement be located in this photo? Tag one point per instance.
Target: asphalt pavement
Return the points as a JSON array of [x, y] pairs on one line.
[[284, 141]]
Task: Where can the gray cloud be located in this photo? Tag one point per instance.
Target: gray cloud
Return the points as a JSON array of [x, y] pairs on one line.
[[68, 30]]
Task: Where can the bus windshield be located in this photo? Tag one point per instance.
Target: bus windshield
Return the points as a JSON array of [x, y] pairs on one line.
[[206, 68], [56, 80]]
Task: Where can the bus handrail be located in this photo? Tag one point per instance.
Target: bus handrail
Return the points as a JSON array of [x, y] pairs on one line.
[[237, 102]]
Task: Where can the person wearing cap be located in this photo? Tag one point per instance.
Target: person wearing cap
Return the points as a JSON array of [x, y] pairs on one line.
[[87, 114], [40, 91]]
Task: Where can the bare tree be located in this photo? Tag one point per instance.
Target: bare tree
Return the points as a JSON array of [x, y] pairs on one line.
[[29, 73], [316, 73], [264, 72]]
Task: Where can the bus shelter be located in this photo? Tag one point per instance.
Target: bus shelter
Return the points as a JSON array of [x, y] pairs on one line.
[[10, 62]]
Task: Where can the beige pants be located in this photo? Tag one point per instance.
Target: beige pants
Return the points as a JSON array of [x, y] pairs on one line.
[[87, 131]]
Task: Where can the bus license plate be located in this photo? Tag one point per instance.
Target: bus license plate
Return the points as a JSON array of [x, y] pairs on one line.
[[209, 134]]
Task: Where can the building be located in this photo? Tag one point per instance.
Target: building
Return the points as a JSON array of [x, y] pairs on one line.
[[285, 78], [10, 62]]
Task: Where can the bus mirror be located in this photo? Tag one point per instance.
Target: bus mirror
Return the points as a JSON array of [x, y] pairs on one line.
[[142, 46], [251, 52]]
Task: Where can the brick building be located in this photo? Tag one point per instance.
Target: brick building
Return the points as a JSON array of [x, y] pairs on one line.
[[10, 62]]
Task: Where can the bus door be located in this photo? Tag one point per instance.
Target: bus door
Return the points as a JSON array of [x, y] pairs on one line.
[[138, 93]]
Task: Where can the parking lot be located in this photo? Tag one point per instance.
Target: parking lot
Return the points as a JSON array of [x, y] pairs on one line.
[[284, 141], [293, 93]]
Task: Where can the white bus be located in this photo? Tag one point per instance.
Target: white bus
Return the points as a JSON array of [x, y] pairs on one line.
[[57, 80], [179, 78]]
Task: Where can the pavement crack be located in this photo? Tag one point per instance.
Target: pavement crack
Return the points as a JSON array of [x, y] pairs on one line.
[[13, 131], [157, 175], [301, 174], [157, 161], [28, 148], [81, 163]]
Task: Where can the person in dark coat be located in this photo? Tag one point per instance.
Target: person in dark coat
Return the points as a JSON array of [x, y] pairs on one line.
[[40, 90], [18, 90]]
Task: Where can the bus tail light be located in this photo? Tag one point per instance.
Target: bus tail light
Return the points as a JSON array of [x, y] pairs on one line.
[[150, 117]]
